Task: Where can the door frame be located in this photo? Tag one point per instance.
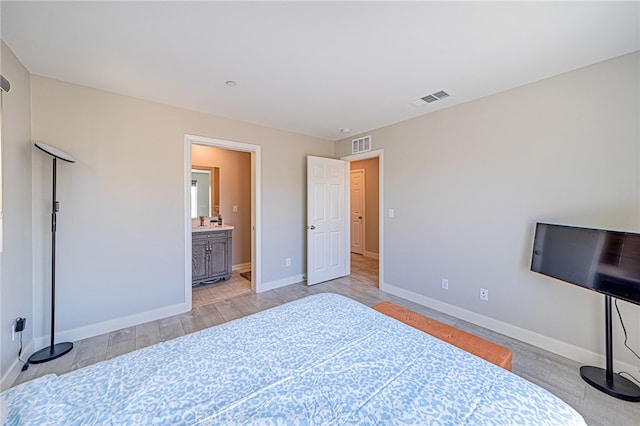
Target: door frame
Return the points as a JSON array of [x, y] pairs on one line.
[[364, 156], [256, 207]]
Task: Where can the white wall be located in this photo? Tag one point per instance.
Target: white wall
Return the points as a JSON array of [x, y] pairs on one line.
[[121, 250], [468, 184], [15, 260]]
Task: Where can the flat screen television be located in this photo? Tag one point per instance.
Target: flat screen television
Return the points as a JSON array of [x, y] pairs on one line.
[[601, 260]]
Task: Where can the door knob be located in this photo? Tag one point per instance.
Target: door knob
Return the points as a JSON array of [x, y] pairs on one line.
[[359, 217], [312, 227]]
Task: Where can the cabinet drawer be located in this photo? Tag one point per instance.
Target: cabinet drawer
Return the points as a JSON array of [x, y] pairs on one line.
[[211, 235]]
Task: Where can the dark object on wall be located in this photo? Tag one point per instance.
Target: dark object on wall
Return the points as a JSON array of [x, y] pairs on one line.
[[55, 350], [4, 84], [601, 260], [19, 327]]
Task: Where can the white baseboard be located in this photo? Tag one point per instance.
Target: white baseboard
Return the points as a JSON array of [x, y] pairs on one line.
[[246, 265], [111, 325], [272, 285], [558, 347], [371, 255], [15, 369]]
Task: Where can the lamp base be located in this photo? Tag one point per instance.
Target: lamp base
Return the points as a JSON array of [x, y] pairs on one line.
[[47, 354], [620, 387]]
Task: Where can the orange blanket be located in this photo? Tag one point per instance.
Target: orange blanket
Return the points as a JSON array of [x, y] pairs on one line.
[[482, 348]]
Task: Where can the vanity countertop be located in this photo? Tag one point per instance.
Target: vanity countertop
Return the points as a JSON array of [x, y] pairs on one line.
[[211, 228]]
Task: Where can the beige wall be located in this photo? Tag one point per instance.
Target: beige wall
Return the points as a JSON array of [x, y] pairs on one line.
[[468, 184], [15, 260], [121, 228], [372, 203], [235, 190]]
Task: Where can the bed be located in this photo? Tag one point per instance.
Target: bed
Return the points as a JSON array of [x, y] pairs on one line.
[[321, 360]]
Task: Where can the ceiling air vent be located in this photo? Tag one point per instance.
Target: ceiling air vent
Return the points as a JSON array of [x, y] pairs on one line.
[[441, 94], [362, 144], [429, 98]]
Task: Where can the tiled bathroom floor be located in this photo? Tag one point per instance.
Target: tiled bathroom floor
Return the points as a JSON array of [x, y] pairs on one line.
[[205, 294]]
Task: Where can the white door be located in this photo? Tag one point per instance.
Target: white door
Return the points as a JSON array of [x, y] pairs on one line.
[[357, 211], [326, 219]]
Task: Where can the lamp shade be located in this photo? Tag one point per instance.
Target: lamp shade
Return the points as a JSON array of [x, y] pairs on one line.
[[51, 150]]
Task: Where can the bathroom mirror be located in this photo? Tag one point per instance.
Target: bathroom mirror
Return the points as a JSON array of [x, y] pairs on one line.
[[205, 191]]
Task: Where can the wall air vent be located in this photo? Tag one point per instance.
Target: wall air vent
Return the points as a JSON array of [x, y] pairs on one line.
[[362, 144], [433, 97]]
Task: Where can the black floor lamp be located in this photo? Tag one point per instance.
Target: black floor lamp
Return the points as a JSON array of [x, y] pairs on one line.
[[54, 350]]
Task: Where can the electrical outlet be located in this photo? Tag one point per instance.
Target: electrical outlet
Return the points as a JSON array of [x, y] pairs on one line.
[[484, 294], [287, 261], [17, 327], [445, 284]]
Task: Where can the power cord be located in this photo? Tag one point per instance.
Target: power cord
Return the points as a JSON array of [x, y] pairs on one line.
[[25, 364], [624, 330]]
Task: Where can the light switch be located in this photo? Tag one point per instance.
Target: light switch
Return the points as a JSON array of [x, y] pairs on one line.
[[391, 213], [235, 209]]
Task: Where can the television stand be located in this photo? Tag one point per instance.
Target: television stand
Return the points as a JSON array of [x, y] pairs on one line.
[[605, 380], [616, 386]]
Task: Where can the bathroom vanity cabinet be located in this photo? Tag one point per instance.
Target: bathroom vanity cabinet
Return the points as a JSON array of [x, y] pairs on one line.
[[211, 254]]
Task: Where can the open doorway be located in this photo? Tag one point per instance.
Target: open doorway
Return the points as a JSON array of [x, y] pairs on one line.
[[221, 249], [366, 218], [234, 195]]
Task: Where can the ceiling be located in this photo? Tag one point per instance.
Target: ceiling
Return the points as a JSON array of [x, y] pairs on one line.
[[314, 67]]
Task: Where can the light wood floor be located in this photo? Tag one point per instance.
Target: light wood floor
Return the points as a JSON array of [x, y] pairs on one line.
[[555, 373]]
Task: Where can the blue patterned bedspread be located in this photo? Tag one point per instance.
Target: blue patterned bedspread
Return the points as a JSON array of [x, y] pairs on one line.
[[321, 360]]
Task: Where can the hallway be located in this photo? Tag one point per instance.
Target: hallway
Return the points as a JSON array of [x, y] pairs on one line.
[[364, 269]]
